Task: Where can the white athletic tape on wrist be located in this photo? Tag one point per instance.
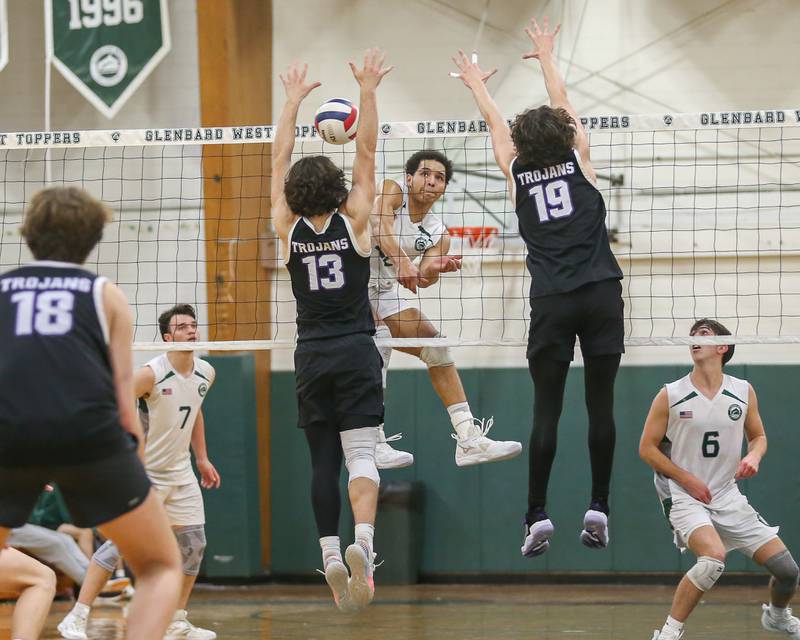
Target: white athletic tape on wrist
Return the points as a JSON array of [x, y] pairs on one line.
[[705, 573]]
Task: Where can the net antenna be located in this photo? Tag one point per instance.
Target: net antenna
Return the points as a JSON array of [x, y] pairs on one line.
[[48, 75]]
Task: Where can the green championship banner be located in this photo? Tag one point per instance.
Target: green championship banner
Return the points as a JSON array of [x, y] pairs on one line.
[[106, 48]]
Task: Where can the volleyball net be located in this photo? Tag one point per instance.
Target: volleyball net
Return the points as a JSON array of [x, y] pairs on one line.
[[703, 215]]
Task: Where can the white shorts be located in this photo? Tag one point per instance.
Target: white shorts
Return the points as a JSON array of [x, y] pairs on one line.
[[182, 502], [386, 301], [739, 525]]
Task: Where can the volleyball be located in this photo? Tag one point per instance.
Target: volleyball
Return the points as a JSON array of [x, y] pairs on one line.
[[336, 121]]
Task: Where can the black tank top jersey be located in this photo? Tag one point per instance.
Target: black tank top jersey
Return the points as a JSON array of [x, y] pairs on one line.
[[562, 219], [330, 276], [57, 397]]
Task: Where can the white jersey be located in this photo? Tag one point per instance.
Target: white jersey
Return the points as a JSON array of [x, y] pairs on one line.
[[415, 238], [704, 436], [172, 407]]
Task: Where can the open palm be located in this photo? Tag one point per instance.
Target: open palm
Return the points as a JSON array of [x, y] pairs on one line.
[[543, 40], [294, 82]]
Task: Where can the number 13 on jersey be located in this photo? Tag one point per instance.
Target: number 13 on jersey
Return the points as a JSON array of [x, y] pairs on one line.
[[333, 275]]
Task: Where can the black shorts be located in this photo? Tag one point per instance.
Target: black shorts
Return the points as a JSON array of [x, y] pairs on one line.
[[95, 492], [593, 312], [339, 383]]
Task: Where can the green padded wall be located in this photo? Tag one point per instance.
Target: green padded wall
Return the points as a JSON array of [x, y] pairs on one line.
[[473, 516], [232, 511]]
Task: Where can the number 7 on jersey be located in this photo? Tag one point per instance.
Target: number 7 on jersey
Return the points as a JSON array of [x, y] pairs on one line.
[[188, 411]]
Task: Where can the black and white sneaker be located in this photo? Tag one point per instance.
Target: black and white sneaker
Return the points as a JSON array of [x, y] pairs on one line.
[[537, 535], [595, 526]]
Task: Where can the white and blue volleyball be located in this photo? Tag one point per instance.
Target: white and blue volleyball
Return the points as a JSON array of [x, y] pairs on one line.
[[336, 121]]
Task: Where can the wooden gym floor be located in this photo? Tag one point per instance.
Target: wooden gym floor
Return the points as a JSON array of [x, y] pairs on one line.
[[453, 612]]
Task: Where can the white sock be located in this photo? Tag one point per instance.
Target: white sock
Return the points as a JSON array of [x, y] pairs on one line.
[[331, 549], [365, 532], [81, 610], [381, 434], [461, 417], [180, 614], [382, 331], [778, 612], [672, 628]]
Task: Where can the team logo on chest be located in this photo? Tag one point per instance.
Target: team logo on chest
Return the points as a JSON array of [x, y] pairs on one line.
[[202, 389], [734, 412], [424, 241]]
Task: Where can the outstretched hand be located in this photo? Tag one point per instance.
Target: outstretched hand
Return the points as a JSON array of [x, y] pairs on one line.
[[295, 82], [445, 264], [371, 74], [542, 41], [470, 73]]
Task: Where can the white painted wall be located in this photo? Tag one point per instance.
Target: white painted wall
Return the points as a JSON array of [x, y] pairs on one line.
[[619, 56]]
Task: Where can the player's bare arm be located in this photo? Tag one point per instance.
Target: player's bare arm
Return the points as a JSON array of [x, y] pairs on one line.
[[388, 201], [143, 381], [297, 88], [120, 338], [437, 261], [756, 439], [360, 200], [655, 428], [543, 41], [209, 477], [475, 80]]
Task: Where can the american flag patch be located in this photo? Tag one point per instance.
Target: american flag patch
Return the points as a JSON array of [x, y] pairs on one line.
[[168, 392], [685, 415]]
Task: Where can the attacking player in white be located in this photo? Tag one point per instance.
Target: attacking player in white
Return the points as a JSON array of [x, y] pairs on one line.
[[693, 440], [406, 230], [173, 387]]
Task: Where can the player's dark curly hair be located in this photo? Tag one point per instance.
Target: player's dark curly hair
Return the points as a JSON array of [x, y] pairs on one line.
[[315, 186], [178, 310], [718, 329], [412, 164], [543, 136]]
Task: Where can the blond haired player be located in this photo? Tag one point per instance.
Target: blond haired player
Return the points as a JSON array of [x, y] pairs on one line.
[[693, 440], [172, 387]]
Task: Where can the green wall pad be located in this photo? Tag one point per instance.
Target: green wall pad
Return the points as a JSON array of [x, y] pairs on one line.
[[232, 512], [472, 517]]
